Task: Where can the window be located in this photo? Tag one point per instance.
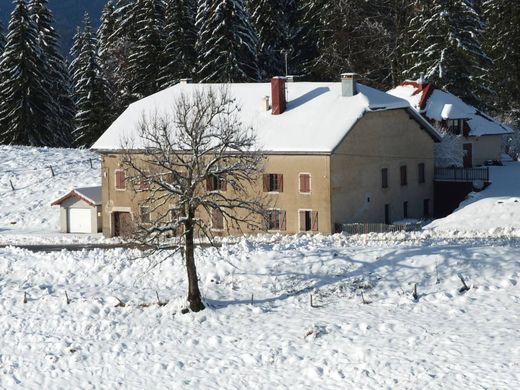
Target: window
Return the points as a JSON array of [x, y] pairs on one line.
[[305, 183], [384, 178], [120, 183], [421, 175], [426, 208], [308, 221], [144, 182], [405, 210], [217, 219], [404, 179], [454, 125], [273, 182], [144, 213], [216, 183], [387, 214], [276, 220]]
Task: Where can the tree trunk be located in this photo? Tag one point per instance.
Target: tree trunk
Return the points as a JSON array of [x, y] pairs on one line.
[[194, 297]]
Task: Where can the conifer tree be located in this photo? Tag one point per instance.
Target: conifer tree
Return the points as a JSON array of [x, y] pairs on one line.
[[55, 74], [447, 48], [90, 89], [2, 38], [227, 43], [180, 36], [24, 99], [503, 43]]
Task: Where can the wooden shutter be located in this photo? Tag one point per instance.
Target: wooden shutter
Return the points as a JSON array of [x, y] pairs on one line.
[[314, 221], [305, 183], [280, 182], [384, 177], [120, 180], [217, 219], [266, 182], [209, 183], [283, 220], [222, 184], [302, 221]]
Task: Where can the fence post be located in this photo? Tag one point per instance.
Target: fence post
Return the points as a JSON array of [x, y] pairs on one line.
[[12, 186]]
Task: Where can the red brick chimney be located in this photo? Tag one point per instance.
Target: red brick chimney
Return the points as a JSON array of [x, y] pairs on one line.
[[278, 95]]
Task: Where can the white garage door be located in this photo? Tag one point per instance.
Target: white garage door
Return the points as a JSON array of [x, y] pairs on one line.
[[80, 221]]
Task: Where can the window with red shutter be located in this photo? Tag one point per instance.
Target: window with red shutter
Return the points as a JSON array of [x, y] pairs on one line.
[[120, 180], [276, 220], [305, 183], [273, 182]]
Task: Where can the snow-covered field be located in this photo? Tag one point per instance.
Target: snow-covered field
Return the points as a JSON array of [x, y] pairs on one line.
[[259, 330], [444, 340]]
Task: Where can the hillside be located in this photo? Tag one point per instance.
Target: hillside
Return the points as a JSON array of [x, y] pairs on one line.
[[68, 15]]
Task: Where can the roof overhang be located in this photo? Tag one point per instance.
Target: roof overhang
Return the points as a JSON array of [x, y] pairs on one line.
[[75, 194]]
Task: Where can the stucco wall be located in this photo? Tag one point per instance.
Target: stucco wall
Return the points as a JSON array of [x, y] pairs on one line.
[[387, 139], [488, 147]]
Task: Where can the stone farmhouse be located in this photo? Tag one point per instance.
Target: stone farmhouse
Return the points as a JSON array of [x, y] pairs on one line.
[[481, 136], [336, 152]]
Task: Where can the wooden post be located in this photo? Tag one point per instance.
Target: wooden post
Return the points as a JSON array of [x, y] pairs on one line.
[[464, 287], [67, 298], [12, 186], [252, 299], [414, 294], [91, 166], [52, 170], [24, 297]]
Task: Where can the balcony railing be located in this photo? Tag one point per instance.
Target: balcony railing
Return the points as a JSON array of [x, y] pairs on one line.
[[462, 174]]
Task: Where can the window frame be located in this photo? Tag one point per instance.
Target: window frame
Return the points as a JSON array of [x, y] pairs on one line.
[[216, 183], [308, 175], [403, 175], [217, 228], [314, 220], [281, 219], [267, 181], [148, 213], [421, 173], [121, 171], [384, 178]]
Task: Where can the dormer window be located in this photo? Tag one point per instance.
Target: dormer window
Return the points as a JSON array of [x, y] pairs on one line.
[[455, 126]]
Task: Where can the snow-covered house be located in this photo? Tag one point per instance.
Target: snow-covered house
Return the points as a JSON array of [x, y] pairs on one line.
[[340, 152], [480, 136]]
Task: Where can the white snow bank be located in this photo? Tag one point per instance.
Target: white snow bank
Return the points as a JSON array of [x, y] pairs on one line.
[[444, 340], [494, 210]]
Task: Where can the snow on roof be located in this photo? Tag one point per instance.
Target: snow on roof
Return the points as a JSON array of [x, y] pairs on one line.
[[316, 120], [442, 105], [91, 195]]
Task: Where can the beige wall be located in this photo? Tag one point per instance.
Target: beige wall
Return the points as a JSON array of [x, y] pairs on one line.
[[488, 147], [386, 139]]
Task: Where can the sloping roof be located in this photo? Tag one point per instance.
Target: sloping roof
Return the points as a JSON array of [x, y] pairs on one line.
[[91, 195], [316, 120], [438, 105]]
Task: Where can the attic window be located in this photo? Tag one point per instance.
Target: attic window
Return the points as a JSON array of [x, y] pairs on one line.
[[455, 126]]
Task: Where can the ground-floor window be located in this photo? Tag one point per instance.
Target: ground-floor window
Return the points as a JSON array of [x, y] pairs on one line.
[[217, 219], [276, 220], [308, 221], [144, 213]]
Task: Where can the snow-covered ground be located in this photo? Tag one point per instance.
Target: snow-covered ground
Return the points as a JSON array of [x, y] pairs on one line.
[[444, 340], [495, 210], [259, 330]]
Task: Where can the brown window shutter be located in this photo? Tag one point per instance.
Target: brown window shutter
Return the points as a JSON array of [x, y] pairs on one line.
[[266, 182], [302, 221], [280, 183], [223, 184], [209, 183], [314, 221], [283, 220], [120, 180]]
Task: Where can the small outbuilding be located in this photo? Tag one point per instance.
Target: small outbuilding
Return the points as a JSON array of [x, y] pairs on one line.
[[80, 210]]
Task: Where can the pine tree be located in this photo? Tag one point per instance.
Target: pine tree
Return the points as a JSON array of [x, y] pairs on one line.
[[268, 19], [446, 47], [179, 54], [24, 99], [2, 39], [55, 74], [503, 44], [227, 44], [90, 89], [144, 59]]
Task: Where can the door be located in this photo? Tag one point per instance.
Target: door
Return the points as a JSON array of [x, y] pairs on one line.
[[123, 226], [468, 155], [80, 220]]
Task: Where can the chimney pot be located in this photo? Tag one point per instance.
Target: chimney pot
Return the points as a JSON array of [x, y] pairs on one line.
[[348, 84], [264, 104], [278, 95]]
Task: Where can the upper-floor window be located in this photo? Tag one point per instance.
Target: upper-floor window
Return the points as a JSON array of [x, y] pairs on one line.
[[384, 177], [144, 214], [216, 183], [120, 182], [276, 220], [273, 182], [420, 173], [404, 178], [305, 183]]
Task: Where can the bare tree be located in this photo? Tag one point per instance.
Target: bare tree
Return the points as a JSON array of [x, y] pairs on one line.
[[197, 171]]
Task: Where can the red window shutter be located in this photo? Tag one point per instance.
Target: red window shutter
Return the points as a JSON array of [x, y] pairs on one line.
[[283, 220], [266, 182], [305, 183], [209, 183], [120, 180], [302, 221], [280, 182], [314, 221]]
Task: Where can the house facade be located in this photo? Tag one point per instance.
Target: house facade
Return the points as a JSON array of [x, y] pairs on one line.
[[335, 153], [480, 136]]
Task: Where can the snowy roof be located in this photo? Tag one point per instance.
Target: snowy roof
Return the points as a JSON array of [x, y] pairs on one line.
[[439, 105], [91, 195], [316, 119]]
